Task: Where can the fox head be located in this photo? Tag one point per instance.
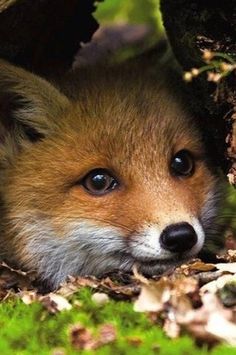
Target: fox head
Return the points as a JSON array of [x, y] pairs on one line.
[[111, 174]]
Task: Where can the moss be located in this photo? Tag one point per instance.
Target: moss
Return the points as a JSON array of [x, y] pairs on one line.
[[31, 330]]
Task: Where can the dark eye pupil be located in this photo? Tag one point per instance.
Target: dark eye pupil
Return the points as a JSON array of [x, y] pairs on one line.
[[182, 163], [99, 182]]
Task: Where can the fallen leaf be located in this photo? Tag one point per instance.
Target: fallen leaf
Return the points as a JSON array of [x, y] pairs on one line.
[[227, 267], [105, 285], [230, 254], [107, 334], [68, 288], [153, 296], [181, 306], [217, 284], [207, 276], [55, 303], [83, 281], [200, 322], [171, 328], [221, 328], [13, 280], [185, 285], [195, 266], [81, 338], [28, 297]]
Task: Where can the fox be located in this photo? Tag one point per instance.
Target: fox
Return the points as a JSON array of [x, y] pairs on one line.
[[101, 170]]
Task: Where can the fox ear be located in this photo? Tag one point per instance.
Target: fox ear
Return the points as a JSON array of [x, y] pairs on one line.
[[29, 105]]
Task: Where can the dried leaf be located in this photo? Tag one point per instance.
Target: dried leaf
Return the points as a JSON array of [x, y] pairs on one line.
[[227, 267], [82, 339], [55, 303], [171, 328], [83, 282], [29, 297], [195, 266], [185, 285], [219, 327], [207, 276], [68, 288], [200, 322], [181, 305], [12, 279], [107, 334], [105, 285], [217, 284], [153, 296], [230, 255]]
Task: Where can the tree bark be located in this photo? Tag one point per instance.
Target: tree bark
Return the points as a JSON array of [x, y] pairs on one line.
[[44, 35], [194, 26]]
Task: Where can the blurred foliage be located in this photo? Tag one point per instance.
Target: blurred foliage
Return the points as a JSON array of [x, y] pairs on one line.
[[31, 330], [229, 209], [131, 11]]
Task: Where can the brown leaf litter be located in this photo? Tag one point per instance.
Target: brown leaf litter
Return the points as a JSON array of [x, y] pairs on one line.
[[183, 305], [82, 338], [196, 298]]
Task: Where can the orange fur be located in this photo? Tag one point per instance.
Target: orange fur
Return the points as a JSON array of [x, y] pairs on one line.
[[128, 120]]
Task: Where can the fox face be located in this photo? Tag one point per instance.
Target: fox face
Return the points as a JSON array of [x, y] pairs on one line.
[[109, 175]]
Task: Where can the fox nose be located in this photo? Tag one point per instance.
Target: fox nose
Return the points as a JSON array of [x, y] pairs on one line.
[[178, 238]]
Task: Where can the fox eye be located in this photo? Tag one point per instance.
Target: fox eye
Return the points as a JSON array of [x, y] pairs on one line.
[[182, 163], [99, 182]]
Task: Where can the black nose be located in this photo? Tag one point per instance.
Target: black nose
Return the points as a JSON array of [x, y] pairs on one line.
[[178, 238]]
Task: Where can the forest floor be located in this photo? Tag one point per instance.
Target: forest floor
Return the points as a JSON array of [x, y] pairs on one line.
[[190, 311]]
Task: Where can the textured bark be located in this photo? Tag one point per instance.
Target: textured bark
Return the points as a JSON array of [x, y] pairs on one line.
[[44, 35], [193, 26]]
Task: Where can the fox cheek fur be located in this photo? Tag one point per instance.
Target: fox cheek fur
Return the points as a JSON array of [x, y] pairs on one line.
[[135, 137]]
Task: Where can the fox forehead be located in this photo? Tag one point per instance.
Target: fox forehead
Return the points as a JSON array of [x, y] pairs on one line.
[[119, 124]]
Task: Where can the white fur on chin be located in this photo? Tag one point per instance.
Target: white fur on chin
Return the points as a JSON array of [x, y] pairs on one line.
[[86, 249]]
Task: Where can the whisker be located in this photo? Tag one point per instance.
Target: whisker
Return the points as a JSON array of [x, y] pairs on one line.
[[96, 219]]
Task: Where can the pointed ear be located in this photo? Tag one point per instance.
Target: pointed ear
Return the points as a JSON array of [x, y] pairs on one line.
[[29, 105]]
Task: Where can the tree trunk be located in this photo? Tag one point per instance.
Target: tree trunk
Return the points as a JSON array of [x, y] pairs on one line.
[[44, 35], [194, 26]]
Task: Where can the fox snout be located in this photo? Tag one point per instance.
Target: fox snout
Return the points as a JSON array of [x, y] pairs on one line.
[[178, 238], [176, 241]]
